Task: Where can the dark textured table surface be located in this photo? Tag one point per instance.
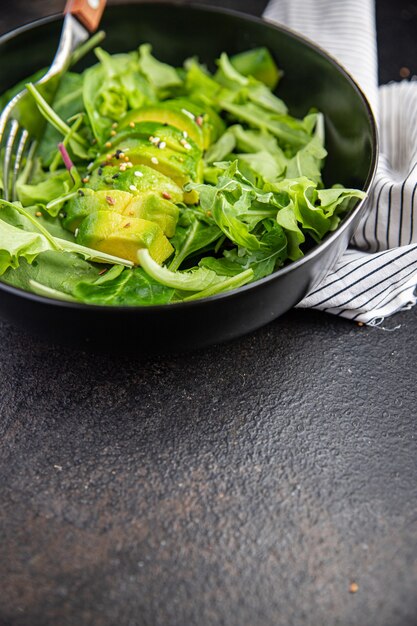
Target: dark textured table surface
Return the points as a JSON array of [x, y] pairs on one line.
[[243, 485]]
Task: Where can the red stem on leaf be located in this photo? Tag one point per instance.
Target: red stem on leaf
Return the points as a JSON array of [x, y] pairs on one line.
[[65, 157]]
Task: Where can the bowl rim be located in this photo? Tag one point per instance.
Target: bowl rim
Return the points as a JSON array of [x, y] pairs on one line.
[[311, 254]]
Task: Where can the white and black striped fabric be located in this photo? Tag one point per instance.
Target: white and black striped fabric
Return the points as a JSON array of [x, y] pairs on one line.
[[377, 276]]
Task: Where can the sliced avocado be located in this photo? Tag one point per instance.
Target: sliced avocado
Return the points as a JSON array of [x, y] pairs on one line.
[[204, 116], [259, 64], [122, 236], [160, 135], [143, 178], [88, 201], [146, 205], [161, 211], [181, 168], [167, 115]]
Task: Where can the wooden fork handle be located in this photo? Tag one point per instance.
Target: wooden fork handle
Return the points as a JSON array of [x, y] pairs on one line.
[[88, 12]]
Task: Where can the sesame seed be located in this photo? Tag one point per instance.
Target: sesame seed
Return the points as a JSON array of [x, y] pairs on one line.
[[183, 142], [126, 225], [38, 214], [122, 168], [108, 144], [129, 164], [90, 165], [85, 179], [131, 213], [133, 188], [138, 174], [110, 200], [121, 154], [162, 145], [76, 232], [184, 134], [132, 124], [187, 146], [166, 195], [113, 133], [190, 115], [62, 215], [154, 160]]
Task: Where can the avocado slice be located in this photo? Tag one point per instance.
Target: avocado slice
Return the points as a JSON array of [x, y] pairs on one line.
[[149, 206], [181, 168], [144, 178], [122, 236], [160, 135], [209, 121], [181, 119]]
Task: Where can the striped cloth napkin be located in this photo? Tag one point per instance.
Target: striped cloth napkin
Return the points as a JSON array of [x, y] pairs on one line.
[[377, 276]]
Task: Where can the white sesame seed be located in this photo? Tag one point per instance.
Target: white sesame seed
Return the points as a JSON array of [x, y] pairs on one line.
[[90, 165], [187, 146], [162, 145], [190, 115], [76, 232], [184, 134], [154, 160], [133, 188], [138, 174], [129, 165]]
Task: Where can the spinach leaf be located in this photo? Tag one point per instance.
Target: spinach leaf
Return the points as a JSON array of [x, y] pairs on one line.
[[131, 287]]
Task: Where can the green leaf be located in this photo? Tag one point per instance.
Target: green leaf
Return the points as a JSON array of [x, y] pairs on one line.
[[16, 244], [161, 75], [131, 287], [53, 186], [195, 279], [197, 236]]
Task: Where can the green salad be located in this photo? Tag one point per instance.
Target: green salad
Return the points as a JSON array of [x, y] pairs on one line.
[[153, 184]]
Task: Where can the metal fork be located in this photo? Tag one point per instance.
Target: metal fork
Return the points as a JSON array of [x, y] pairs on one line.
[[21, 122]]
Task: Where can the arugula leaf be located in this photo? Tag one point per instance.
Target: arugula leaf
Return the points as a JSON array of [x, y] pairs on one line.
[[193, 238], [262, 262]]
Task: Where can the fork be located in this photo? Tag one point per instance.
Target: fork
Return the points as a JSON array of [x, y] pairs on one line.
[[21, 122]]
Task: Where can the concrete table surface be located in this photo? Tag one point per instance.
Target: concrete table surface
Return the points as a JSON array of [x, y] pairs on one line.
[[248, 484]]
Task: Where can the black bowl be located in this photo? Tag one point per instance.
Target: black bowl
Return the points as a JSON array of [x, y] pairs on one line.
[[312, 78]]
